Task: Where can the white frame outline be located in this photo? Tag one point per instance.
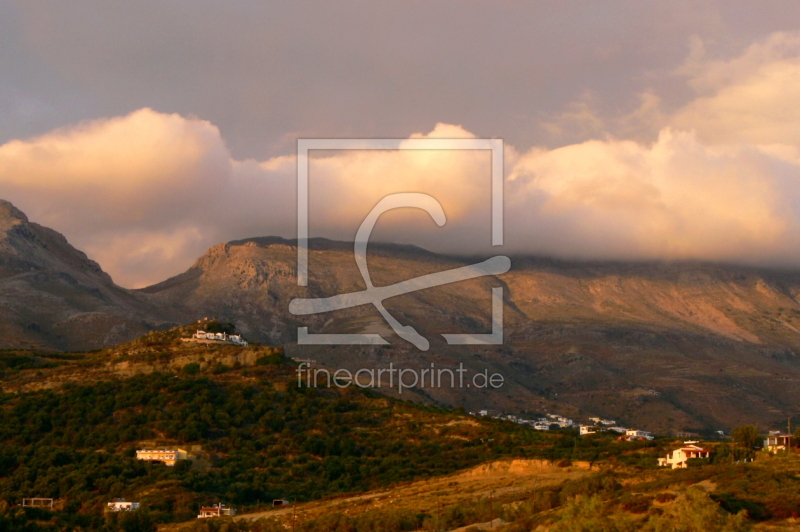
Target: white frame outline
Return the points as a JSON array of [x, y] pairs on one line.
[[495, 146]]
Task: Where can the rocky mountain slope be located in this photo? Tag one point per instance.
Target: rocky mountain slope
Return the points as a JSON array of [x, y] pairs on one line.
[[666, 346], [53, 296]]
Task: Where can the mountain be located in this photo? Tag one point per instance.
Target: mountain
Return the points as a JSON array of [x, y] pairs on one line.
[[664, 346], [52, 296], [667, 346]]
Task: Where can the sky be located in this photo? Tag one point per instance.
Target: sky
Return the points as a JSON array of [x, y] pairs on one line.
[[147, 132]]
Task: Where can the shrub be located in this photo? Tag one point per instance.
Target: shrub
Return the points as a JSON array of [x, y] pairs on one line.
[[192, 368], [275, 359], [665, 497]]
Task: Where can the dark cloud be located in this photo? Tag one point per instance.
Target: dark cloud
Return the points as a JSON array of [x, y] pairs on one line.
[[268, 72]]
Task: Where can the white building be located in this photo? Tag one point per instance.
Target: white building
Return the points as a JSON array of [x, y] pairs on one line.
[[541, 425], [237, 339], [217, 510], [121, 505], [169, 457], [587, 429], [777, 442], [634, 434], [677, 459], [220, 337]]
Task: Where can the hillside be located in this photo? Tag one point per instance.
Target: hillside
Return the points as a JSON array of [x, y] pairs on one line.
[[353, 459], [70, 425], [669, 347]]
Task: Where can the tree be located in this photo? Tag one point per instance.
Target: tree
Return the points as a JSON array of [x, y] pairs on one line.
[[796, 438], [746, 436]]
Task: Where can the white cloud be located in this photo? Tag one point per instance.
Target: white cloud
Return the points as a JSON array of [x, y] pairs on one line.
[[674, 199], [749, 99], [146, 193]]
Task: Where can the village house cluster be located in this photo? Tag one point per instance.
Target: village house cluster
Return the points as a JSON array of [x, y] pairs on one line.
[[600, 425], [216, 510], [625, 433], [543, 423], [210, 337]]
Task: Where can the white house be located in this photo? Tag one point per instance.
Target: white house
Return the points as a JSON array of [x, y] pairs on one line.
[[586, 429], [121, 505], [677, 459], [777, 442], [634, 434], [220, 337], [237, 339], [217, 510], [541, 425]]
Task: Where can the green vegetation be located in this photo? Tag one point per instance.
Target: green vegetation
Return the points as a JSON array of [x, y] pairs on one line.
[[255, 436], [747, 437], [259, 441], [14, 360]]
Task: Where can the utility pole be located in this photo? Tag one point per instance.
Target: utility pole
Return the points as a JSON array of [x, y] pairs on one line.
[[491, 513], [294, 513]]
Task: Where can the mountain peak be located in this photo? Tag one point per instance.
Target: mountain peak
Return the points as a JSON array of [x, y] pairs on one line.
[[7, 210], [10, 216]]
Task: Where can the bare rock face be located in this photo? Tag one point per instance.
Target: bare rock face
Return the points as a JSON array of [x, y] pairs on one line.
[[662, 346], [53, 296]]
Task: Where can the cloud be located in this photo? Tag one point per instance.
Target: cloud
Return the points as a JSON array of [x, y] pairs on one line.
[[143, 193], [674, 199], [749, 99], [148, 192]]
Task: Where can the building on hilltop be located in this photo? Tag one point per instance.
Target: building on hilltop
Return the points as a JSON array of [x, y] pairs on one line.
[[217, 510], [220, 337], [121, 505], [678, 458], [169, 457]]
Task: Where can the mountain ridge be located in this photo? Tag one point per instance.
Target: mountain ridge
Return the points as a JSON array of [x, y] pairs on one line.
[[638, 341]]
